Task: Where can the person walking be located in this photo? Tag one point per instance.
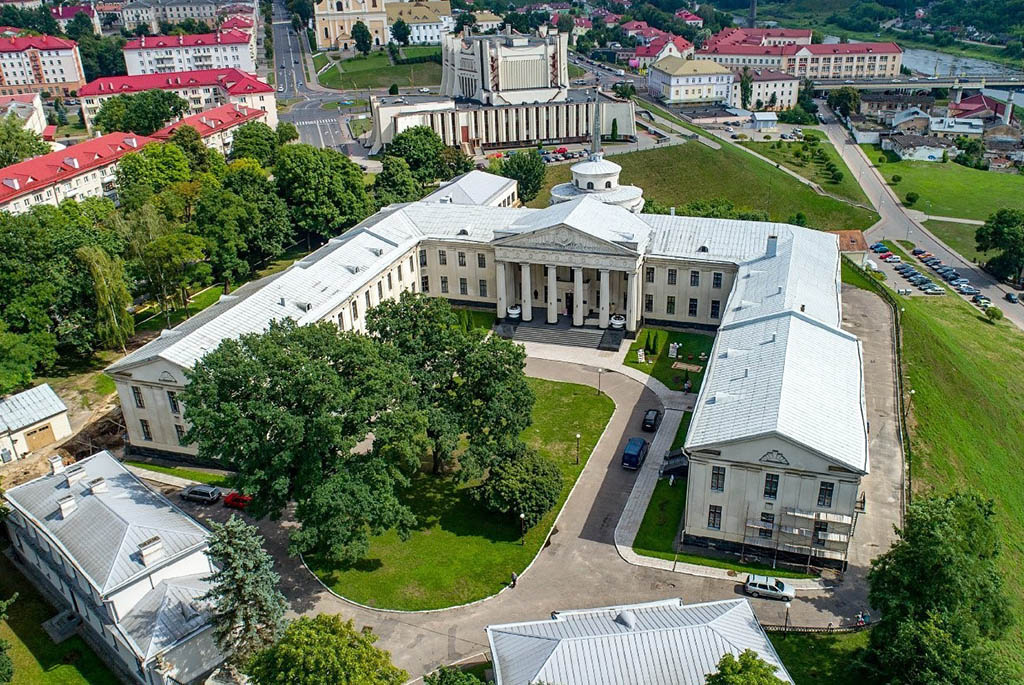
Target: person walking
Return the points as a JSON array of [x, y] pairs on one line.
[[515, 579]]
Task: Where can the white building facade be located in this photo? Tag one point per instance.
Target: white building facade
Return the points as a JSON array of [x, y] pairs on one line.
[[428, 20], [685, 81], [774, 90], [31, 420], [231, 49], [33, 64]]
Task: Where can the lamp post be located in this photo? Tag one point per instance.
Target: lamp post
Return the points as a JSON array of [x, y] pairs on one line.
[[600, 371], [577, 449], [522, 526], [787, 616]]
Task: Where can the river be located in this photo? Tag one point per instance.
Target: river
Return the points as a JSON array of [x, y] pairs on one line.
[[935, 63]]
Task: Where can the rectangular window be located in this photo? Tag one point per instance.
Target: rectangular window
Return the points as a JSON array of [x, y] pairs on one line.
[[172, 399], [137, 394], [767, 525], [820, 533], [180, 431], [462, 259], [380, 290], [715, 517], [463, 286], [483, 288], [444, 285], [146, 433], [825, 494], [424, 284], [400, 273], [366, 299], [423, 257], [481, 260], [718, 478], [716, 309], [355, 313], [410, 264], [692, 308], [442, 257], [670, 305], [389, 282], [671, 276], [694, 279], [649, 274], [716, 279], [771, 485]]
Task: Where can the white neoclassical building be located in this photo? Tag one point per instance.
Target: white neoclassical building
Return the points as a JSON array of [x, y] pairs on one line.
[[778, 440]]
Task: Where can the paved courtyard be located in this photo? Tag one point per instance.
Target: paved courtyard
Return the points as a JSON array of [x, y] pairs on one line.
[[580, 567]]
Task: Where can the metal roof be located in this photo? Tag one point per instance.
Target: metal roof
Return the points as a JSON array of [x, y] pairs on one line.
[[471, 188], [167, 614], [101, 536], [657, 643], [29, 407]]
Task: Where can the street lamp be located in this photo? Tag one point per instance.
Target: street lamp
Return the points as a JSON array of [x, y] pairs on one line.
[[577, 449], [787, 616], [522, 526], [599, 372]]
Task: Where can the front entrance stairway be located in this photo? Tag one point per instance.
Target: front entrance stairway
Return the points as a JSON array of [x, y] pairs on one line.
[[562, 333]]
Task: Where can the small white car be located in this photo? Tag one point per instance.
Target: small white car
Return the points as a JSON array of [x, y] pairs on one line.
[[768, 586], [893, 260], [424, 90]]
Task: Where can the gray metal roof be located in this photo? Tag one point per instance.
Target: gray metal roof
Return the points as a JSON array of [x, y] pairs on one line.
[[29, 407], [657, 643], [167, 614], [472, 188], [101, 536]]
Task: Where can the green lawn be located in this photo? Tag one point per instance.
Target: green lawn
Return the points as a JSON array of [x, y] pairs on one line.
[[951, 189], [659, 364], [74, 128], [414, 51], [783, 153], [336, 104], [458, 553], [375, 71], [182, 472], [576, 72], [657, 534], [853, 277], [677, 174], [478, 319], [967, 419], [319, 61], [360, 126], [821, 659], [37, 661], [198, 303], [959, 237]]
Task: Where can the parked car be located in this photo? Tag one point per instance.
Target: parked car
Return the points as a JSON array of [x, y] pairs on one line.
[[917, 251], [969, 290], [979, 297], [236, 500], [424, 90], [885, 255], [652, 417], [768, 586], [1012, 298], [959, 281], [634, 453], [203, 494], [874, 245], [935, 291], [893, 259]]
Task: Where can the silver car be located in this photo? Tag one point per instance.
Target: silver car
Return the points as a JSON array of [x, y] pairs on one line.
[[768, 586]]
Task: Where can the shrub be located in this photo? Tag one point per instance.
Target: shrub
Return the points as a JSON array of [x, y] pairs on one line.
[[994, 314], [881, 160], [837, 176], [912, 197], [523, 483], [767, 136], [897, 178], [393, 90]]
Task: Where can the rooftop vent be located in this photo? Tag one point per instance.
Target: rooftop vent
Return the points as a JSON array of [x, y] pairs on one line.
[[627, 619], [11, 183], [97, 485], [189, 610], [672, 211], [56, 464], [67, 506], [304, 306], [353, 268], [377, 252], [773, 245], [74, 475], [151, 550], [281, 302], [803, 307]]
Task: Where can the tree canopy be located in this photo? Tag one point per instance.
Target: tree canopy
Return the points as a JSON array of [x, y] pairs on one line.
[[325, 650], [361, 36], [845, 100], [18, 143], [1003, 231], [142, 113], [421, 148], [255, 140], [400, 31], [749, 669], [528, 169], [395, 183]]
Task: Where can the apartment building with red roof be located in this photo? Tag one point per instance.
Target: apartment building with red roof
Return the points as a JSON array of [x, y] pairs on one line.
[[665, 46], [216, 126], [202, 90], [229, 49], [34, 64], [76, 172], [688, 17], [63, 14]]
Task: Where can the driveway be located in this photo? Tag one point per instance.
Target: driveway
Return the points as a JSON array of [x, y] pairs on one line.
[[579, 567]]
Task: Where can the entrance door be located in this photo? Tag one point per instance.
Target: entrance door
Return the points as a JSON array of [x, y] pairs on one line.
[[465, 134], [39, 437], [569, 303]]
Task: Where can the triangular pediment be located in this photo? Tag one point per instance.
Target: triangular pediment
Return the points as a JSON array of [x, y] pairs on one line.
[[563, 238]]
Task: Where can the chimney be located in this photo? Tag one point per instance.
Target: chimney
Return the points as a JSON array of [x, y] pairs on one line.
[[803, 307], [56, 465], [1008, 110], [97, 485], [151, 550], [281, 301], [74, 475], [67, 506], [773, 245], [672, 211]]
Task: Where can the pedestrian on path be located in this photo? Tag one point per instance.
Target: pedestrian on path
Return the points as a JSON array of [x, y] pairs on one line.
[[515, 579]]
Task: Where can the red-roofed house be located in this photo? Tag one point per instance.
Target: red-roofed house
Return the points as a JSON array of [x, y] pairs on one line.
[[216, 126], [32, 64], [633, 27], [63, 14], [239, 22], [231, 49], [689, 17], [202, 90], [978, 106], [79, 171], [677, 46], [609, 18]]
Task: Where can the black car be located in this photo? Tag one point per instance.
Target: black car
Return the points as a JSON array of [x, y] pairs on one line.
[[203, 494], [652, 418], [1012, 298]]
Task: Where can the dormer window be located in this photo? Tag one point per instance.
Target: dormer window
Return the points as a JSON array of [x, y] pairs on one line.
[[590, 185]]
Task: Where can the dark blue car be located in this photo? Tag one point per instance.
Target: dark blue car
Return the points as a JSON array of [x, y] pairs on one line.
[[634, 454]]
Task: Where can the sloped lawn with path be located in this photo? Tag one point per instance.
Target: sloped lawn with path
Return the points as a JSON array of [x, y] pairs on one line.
[[784, 153], [459, 552]]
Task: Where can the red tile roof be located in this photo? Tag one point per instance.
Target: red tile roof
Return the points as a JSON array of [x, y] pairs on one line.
[[634, 25], [234, 81], [789, 50], [69, 11], [974, 105], [656, 46], [237, 23], [50, 132], [43, 171], [22, 43], [687, 15], [25, 97], [213, 120], [231, 36]]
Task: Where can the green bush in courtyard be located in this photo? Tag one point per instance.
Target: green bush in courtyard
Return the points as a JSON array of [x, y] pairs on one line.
[[912, 197], [523, 483]]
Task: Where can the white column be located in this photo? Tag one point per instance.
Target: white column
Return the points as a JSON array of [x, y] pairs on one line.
[[631, 297], [577, 297], [527, 292], [499, 279], [552, 293], [605, 297]]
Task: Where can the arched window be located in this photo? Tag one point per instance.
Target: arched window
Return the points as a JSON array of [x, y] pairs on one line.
[[463, 231], [339, 6], [702, 248], [590, 185], [607, 184]]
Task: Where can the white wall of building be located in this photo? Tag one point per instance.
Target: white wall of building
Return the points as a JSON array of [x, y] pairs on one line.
[[187, 58]]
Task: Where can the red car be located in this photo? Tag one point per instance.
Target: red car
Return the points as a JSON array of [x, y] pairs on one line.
[[236, 500], [885, 255]]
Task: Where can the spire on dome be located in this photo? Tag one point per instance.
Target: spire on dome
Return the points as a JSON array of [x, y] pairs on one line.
[[595, 128]]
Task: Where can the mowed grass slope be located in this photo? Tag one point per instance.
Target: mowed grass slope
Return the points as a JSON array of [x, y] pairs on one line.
[[679, 174], [959, 237], [375, 71], [951, 189], [459, 552], [811, 169], [967, 419]]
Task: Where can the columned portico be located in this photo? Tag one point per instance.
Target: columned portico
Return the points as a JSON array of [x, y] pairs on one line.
[[577, 299], [499, 274], [552, 290], [605, 299], [527, 303], [631, 296]]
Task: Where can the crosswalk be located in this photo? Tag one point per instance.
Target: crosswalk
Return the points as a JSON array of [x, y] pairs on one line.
[[316, 121]]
